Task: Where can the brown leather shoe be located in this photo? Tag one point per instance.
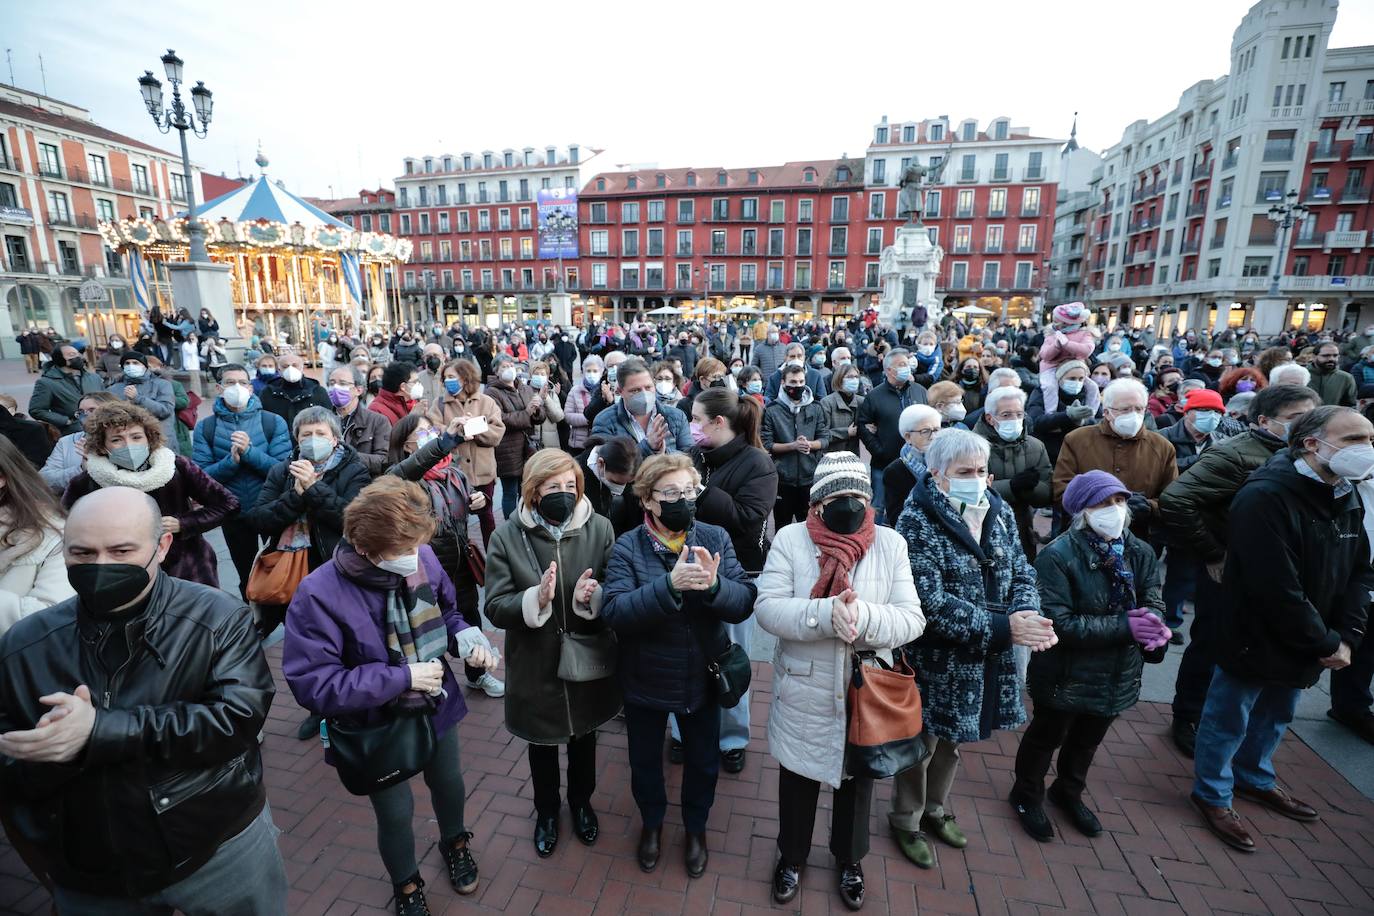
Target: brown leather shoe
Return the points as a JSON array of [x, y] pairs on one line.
[[1225, 823], [1277, 799]]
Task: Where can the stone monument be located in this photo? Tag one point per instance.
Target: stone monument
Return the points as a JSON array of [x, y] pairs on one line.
[[910, 267]]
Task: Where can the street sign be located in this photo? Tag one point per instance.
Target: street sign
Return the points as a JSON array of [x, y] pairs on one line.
[[93, 291]]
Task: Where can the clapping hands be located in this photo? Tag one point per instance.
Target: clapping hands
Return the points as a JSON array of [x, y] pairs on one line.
[[695, 570], [1147, 629], [844, 616], [1028, 628]]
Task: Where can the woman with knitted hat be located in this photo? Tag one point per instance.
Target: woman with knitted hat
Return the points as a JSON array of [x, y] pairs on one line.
[[833, 584], [1100, 586]]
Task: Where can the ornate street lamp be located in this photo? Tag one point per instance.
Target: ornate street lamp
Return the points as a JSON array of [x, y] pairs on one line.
[[557, 226], [1285, 215], [178, 117]]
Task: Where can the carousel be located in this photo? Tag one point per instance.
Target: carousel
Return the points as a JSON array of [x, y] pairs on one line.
[[295, 268]]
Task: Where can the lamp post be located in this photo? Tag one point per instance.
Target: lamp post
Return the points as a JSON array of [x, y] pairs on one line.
[[178, 117], [1285, 215], [555, 228]]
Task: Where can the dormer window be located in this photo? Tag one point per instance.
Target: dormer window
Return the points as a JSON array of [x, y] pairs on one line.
[[660, 180], [999, 130], [842, 173], [721, 178], [601, 184], [809, 175], [691, 179], [753, 176], [970, 131], [632, 183], [937, 132]]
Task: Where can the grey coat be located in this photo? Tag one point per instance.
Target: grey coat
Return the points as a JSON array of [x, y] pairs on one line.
[[156, 396]]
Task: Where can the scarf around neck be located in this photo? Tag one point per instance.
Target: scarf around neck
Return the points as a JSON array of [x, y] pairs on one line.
[[913, 459], [1113, 557], [673, 543], [840, 553], [152, 476]]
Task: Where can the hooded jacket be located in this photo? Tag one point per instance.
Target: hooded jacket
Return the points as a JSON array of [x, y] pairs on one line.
[[786, 421], [155, 395], [1297, 577], [541, 707]]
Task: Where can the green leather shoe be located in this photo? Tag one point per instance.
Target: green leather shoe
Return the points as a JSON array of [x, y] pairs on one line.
[[945, 828], [916, 847]]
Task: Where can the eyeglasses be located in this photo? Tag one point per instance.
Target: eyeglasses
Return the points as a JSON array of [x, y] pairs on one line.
[[673, 494], [925, 433]]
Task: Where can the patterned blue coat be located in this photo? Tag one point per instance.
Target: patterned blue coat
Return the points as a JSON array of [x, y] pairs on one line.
[[964, 663]]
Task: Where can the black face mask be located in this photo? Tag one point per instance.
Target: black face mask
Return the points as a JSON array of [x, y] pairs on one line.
[[795, 392], [433, 362], [718, 383], [845, 515], [677, 515], [970, 374], [557, 507], [374, 386], [103, 587]]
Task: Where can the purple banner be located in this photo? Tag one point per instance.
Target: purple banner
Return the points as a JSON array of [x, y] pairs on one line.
[[557, 223]]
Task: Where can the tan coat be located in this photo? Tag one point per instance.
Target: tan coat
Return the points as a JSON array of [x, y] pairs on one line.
[[1146, 463], [476, 457]]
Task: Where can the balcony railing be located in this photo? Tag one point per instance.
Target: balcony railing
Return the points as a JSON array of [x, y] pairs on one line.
[[70, 269], [1201, 171], [1030, 211], [1278, 152], [1189, 247], [1033, 173], [1002, 174], [1196, 209], [1217, 241], [1326, 151], [8, 164], [1355, 194], [1229, 161], [967, 176], [1026, 249], [47, 170], [1346, 239], [1363, 147], [1307, 240]]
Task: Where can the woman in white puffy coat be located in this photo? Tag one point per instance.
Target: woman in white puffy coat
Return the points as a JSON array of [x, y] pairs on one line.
[[33, 575], [832, 585]]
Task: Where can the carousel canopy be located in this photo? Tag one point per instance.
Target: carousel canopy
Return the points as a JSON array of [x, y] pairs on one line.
[[262, 200]]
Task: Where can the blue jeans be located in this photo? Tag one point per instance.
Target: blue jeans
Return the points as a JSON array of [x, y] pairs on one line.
[[875, 476], [1242, 725], [1180, 584], [734, 722], [510, 495], [245, 877]]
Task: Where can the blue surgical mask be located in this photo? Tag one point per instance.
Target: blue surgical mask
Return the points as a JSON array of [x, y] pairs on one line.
[[1206, 421], [1072, 385], [967, 490], [453, 385], [130, 457], [904, 374], [754, 386], [851, 384], [316, 448], [1009, 430]]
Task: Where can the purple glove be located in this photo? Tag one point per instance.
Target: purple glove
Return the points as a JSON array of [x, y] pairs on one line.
[[1147, 629]]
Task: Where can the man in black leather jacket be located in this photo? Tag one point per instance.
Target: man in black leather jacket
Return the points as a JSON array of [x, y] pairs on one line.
[[129, 716]]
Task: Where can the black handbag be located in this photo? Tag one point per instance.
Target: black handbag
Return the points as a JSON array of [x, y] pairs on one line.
[[582, 657], [370, 758], [729, 671]]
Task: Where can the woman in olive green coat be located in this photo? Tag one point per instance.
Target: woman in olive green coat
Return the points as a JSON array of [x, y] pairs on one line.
[[544, 571]]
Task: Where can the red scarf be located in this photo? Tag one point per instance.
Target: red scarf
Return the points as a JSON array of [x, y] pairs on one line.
[[439, 470], [839, 553]]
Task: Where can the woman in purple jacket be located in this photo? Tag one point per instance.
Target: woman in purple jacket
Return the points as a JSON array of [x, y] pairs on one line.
[[367, 632]]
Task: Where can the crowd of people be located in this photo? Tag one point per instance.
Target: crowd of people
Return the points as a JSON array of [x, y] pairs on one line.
[[1009, 511]]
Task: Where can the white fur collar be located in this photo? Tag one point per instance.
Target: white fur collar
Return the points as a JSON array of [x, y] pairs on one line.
[[161, 467]]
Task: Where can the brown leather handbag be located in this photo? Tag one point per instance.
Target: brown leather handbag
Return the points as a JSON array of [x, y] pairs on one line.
[[884, 729], [277, 572], [477, 563]]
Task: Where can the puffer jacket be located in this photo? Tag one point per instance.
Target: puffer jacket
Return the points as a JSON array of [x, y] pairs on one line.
[[575, 412], [968, 589], [1297, 578], [286, 400], [662, 664], [269, 443], [1194, 508], [1007, 459], [518, 425], [1095, 667], [811, 666], [541, 707], [842, 412], [741, 487], [56, 395], [172, 767], [782, 422], [475, 457], [322, 505], [33, 573]]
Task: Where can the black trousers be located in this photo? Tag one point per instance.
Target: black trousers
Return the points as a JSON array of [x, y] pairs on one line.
[[1075, 735], [791, 505], [243, 543], [797, 797], [644, 729], [1200, 655], [545, 776], [1350, 685]]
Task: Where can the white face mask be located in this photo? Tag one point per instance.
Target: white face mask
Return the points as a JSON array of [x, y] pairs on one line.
[[1127, 424], [416, 391], [1354, 462], [405, 565], [665, 389], [507, 375], [1108, 521], [967, 490], [955, 411], [291, 374], [236, 396]]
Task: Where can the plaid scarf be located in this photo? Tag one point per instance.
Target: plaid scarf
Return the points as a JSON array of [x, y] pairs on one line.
[[1113, 557]]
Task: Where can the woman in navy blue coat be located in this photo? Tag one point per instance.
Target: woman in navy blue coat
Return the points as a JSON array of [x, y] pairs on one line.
[[670, 587]]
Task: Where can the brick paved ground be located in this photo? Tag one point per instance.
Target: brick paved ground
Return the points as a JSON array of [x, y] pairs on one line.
[[1154, 858]]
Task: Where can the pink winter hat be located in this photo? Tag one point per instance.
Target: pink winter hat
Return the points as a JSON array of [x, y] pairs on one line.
[[1070, 312]]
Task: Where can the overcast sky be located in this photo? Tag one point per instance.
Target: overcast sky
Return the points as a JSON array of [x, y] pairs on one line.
[[338, 98]]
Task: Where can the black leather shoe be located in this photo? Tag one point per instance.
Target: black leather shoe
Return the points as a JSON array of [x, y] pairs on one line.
[[696, 855], [786, 882], [675, 754], [852, 885], [545, 836], [1185, 736], [732, 761], [1079, 814], [1034, 819], [585, 824], [648, 847]]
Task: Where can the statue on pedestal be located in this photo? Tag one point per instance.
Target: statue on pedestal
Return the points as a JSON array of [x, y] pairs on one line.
[[915, 181]]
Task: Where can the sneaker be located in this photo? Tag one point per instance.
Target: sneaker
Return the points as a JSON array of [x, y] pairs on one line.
[[413, 903], [462, 867], [489, 684], [945, 828], [851, 885], [916, 847], [732, 761]]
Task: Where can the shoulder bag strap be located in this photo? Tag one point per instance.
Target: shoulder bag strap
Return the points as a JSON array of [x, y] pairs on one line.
[[534, 561]]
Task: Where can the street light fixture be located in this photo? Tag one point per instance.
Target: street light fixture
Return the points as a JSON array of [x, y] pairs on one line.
[[178, 117], [556, 228], [1285, 215]]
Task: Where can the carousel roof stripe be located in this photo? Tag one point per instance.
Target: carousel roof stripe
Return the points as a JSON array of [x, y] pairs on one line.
[[261, 199]]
